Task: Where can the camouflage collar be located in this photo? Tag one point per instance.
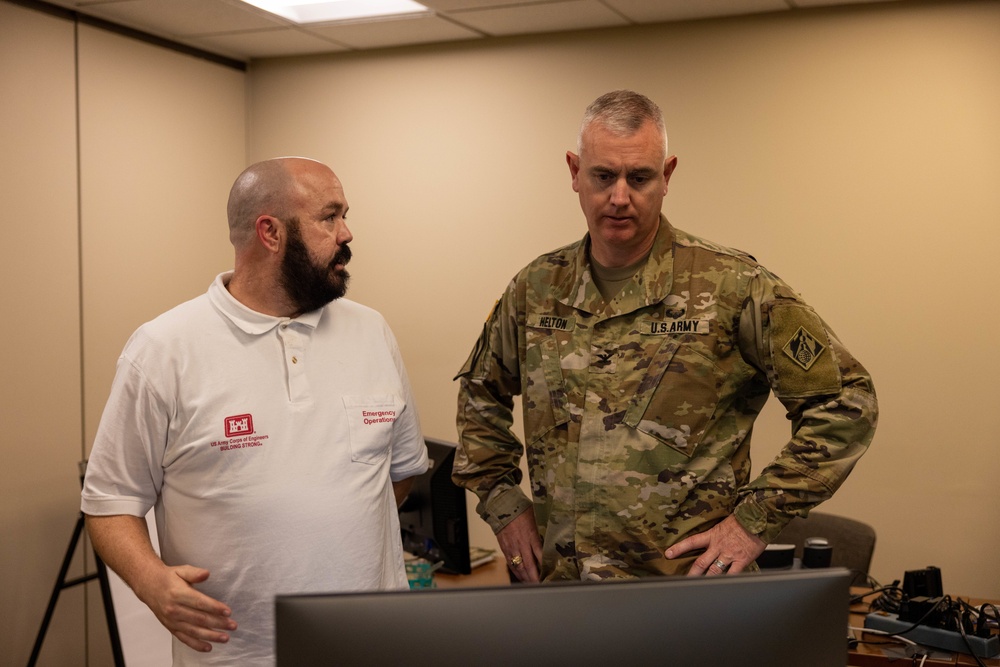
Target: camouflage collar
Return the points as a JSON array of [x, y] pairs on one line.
[[651, 284]]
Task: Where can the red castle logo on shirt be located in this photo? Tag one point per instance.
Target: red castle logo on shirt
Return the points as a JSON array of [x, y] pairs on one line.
[[240, 435], [239, 425]]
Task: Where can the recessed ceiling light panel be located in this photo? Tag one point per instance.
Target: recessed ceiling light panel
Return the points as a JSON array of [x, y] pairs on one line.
[[325, 11]]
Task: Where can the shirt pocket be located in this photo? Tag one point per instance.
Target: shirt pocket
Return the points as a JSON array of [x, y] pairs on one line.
[[371, 420], [677, 398], [543, 387]]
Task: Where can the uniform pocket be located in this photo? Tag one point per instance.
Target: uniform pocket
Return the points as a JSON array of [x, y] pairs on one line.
[[543, 387], [677, 398], [371, 419]]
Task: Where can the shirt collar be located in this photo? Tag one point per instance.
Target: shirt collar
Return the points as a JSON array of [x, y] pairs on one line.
[[248, 320]]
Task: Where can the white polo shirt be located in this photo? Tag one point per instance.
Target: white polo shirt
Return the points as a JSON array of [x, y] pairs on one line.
[[267, 446]]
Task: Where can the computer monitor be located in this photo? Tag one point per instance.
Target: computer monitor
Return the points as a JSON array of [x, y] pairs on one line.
[[433, 519], [789, 618]]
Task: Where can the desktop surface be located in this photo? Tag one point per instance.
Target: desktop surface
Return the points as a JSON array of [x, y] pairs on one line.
[[875, 650], [767, 619]]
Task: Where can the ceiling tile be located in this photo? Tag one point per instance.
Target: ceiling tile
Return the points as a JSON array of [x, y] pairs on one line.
[[831, 3], [450, 5], [398, 32], [545, 17], [72, 4], [652, 11], [265, 44], [185, 17]]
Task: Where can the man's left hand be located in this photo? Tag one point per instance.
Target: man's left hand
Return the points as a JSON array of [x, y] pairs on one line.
[[728, 548]]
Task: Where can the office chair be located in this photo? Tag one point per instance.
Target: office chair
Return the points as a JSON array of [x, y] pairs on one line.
[[852, 541]]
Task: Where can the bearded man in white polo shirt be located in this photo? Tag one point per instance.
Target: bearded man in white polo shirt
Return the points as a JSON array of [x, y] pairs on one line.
[[268, 422]]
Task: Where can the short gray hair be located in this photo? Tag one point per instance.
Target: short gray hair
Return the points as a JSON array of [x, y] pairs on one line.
[[623, 112]]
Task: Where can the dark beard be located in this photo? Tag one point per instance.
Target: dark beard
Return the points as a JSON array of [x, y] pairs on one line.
[[308, 286]]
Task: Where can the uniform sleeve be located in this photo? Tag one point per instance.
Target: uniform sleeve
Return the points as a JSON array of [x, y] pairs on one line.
[[488, 453], [125, 469], [829, 398]]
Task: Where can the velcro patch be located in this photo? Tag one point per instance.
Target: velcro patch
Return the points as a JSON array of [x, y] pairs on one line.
[[668, 327], [799, 346], [803, 349], [555, 322]]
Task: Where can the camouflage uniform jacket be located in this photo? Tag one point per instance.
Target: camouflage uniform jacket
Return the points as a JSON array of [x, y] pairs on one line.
[[638, 412]]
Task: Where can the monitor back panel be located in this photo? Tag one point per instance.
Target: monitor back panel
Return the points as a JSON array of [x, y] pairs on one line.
[[787, 619]]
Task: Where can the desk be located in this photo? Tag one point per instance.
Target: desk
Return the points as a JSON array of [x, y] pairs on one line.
[[493, 573], [883, 651], [887, 651]]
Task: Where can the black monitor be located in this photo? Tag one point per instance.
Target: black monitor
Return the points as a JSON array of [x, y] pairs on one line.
[[790, 618], [433, 518]]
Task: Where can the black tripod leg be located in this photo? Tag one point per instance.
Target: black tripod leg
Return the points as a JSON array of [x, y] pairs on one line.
[[109, 612], [60, 584]]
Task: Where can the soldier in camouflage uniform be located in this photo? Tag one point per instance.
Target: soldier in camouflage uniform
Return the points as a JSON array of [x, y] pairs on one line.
[[643, 355]]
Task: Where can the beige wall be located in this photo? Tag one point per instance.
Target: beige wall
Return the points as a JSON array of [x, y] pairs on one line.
[[161, 136], [855, 152]]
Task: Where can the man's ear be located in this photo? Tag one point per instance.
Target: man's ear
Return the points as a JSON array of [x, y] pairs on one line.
[[269, 233], [573, 161], [668, 168]]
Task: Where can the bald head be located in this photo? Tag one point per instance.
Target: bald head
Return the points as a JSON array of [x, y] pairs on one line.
[[264, 188], [287, 222]]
